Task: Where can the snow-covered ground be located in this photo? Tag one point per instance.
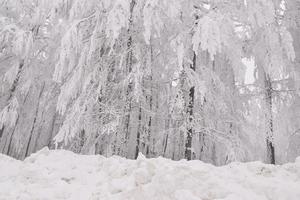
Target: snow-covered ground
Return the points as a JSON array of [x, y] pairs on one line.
[[65, 175]]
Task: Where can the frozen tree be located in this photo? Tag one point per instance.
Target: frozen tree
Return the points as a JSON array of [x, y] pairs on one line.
[[165, 78]]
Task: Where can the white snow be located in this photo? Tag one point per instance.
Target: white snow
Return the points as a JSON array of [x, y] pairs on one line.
[[60, 174]]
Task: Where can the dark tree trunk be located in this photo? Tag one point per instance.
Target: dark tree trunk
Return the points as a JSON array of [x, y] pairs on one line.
[[1, 132], [269, 121], [190, 132], [138, 133], [16, 81], [165, 144], [27, 153]]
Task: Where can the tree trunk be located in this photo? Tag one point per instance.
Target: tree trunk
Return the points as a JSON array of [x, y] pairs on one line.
[[1, 132], [269, 121], [16, 81], [11, 94], [27, 152], [129, 60], [150, 103], [190, 132], [139, 130]]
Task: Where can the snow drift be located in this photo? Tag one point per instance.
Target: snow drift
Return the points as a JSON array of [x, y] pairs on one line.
[[62, 174]]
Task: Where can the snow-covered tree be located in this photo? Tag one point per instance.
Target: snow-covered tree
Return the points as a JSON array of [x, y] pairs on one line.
[[119, 77]]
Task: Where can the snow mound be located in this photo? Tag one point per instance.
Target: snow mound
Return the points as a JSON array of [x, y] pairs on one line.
[[51, 175]]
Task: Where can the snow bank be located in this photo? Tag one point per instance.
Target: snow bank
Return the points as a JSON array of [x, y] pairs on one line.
[[65, 175]]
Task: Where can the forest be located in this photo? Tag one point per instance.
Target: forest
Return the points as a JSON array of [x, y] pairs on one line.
[[210, 80]]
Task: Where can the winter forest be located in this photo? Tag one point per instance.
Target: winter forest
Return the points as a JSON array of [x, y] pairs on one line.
[[210, 80]]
